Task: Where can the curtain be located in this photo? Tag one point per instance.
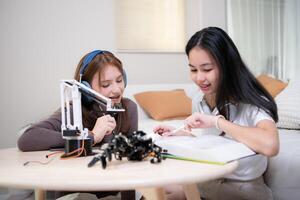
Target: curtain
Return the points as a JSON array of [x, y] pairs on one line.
[[267, 35], [150, 25], [291, 40]]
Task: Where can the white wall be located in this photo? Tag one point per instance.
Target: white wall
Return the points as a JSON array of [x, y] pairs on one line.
[[42, 41]]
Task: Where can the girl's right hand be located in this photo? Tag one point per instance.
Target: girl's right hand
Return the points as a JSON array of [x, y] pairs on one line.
[[103, 126], [165, 130]]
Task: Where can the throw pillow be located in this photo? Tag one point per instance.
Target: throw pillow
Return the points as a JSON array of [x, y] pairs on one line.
[[272, 85], [288, 104], [162, 105]]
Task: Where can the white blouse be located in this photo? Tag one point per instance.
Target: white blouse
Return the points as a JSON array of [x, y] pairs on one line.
[[245, 115]]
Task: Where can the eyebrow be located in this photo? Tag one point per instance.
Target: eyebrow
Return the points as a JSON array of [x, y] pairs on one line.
[[202, 65]]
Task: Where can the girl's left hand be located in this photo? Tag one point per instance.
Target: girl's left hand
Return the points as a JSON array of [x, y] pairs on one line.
[[163, 129]]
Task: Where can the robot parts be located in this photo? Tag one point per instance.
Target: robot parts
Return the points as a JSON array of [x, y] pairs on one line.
[[135, 147]]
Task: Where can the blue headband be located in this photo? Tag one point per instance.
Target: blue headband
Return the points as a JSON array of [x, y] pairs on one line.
[[89, 57]]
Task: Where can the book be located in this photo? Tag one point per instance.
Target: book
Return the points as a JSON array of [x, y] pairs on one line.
[[208, 148]]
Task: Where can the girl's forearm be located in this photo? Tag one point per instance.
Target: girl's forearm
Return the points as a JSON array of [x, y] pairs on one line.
[[262, 139]]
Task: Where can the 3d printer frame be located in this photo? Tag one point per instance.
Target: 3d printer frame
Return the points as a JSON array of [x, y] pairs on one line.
[[77, 141]]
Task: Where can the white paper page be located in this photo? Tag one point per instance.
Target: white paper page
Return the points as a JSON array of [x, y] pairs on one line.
[[205, 147]]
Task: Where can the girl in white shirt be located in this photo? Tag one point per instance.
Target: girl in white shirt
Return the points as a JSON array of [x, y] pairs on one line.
[[237, 106]]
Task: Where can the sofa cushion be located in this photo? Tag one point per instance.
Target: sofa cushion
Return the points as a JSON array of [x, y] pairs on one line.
[[132, 89], [162, 105], [272, 85]]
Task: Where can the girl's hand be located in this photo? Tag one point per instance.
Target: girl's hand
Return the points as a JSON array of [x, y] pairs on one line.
[[199, 120], [165, 130], [103, 126]]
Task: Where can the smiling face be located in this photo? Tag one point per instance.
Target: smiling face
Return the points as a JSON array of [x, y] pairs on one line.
[[204, 71], [110, 84]]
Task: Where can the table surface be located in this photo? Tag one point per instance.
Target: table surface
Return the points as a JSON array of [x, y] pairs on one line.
[[73, 174]]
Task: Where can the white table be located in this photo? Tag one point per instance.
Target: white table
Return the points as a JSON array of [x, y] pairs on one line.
[[74, 175]]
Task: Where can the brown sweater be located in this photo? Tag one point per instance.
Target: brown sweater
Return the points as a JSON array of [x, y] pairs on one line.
[[46, 134]]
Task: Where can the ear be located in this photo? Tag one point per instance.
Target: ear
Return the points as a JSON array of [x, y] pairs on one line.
[[124, 78]]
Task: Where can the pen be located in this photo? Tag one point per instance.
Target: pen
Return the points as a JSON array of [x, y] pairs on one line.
[[178, 129], [181, 128]]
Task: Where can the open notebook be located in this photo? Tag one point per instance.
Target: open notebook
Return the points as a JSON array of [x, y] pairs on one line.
[[205, 148]]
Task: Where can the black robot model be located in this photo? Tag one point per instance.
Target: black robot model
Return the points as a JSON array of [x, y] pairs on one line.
[[135, 147]]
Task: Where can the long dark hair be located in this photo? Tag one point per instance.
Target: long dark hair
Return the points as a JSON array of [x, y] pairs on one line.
[[91, 112], [236, 83]]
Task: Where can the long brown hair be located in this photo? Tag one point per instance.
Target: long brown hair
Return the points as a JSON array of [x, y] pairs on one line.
[[91, 112]]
